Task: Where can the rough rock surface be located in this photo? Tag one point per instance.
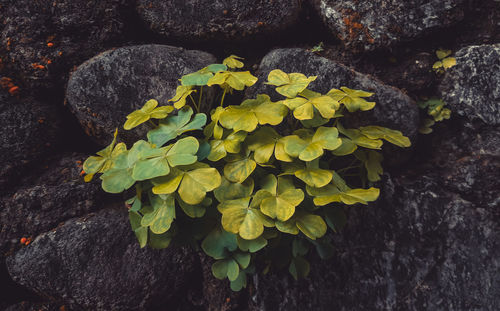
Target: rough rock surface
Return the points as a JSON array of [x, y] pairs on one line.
[[57, 195], [394, 109], [219, 19], [30, 129], [44, 39], [366, 25], [106, 88], [472, 86], [95, 263]]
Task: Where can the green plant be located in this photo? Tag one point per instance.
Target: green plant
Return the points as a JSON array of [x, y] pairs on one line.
[[263, 182], [445, 61], [436, 109], [317, 48]]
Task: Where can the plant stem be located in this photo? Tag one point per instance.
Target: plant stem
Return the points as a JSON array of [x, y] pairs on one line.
[[194, 104], [222, 100], [199, 99], [152, 123]]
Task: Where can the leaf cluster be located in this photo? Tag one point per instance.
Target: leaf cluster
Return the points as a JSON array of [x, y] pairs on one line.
[[257, 186]]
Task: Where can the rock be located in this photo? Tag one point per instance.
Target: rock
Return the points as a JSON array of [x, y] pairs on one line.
[[57, 194], [31, 306], [423, 247], [30, 130], [95, 263], [472, 87], [394, 109], [203, 20], [366, 25], [44, 39], [106, 88]]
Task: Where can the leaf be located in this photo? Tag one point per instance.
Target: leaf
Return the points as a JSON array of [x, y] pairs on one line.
[[213, 128], [442, 53], [392, 136], [193, 211], [264, 142], [289, 85], [373, 167], [198, 78], [288, 226], [104, 160], [243, 259], [231, 144], [226, 268], [303, 109], [313, 226], [160, 241], [330, 193], [299, 268], [310, 148], [239, 283], [335, 218], [218, 243], [140, 232], [347, 147], [181, 93], [183, 152], [238, 171], [237, 217], [238, 80], [147, 112], [449, 62], [252, 246], [119, 177], [173, 126], [252, 112], [314, 177], [162, 216], [324, 249], [233, 61], [230, 190], [359, 139], [352, 99], [203, 150], [281, 198], [299, 247]]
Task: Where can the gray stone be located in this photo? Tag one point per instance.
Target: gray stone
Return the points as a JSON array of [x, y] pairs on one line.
[[472, 87], [218, 19], [394, 109], [57, 194], [95, 263], [30, 130], [366, 25], [106, 88], [76, 30]]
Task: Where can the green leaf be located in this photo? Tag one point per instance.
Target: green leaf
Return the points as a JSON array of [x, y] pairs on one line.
[[359, 139], [193, 211], [243, 259], [313, 226], [299, 268], [252, 112], [289, 85], [218, 243], [183, 152], [240, 282], [330, 193], [213, 128], [324, 249], [237, 217], [203, 150], [231, 143], [288, 226], [238, 80], [264, 142], [442, 53], [173, 126], [104, 160], [181, 93], [216, 67], [162, 216], [346, 148], [392, 136], [314, 177], [198, 78], [308, 148], [148, 111], [226, 268], [233, 61], [119, 177], [140, 232], [231, 190], [299, 247], [239, 170], [160, 241], [303, 109], [281, 198], [252, 246], [373, 165], [449, 62], [335, 218], [352, 99]]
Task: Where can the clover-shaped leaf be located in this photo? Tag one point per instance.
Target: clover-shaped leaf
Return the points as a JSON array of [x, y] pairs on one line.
[[393, 136], [279, 197], [233, 61], [310, 147], [213, 127], [231, 143], [264, 142], [173, 126], [219, 243], [331, 193], [444, 61], [140, 232], [304, 108], [359, 139], [194, 211], [299, 268], [289, 85], [231, 190], [239, 169], [352, 99], [252, 246], [148, 111], [202, 76], [119, 177], [372, 161], [226, 268], [252, 112], [191, 182], [181, 93], [239, 218], [313, 226], [104, 160], [238, 80], [347, 147], [162, 216]]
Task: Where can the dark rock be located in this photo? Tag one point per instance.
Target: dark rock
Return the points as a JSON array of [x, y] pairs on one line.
[[31, 306], [56, 195], [394, 109], [95, 263], [30, 130], [106, 88], [472, 87], [220, 19], [43, 39], [422, 247], [366, 25]]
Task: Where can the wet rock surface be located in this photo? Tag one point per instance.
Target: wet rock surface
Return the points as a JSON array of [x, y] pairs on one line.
[[106, 88], [219, 19], [472, 87], [95, 263], [366, 25]]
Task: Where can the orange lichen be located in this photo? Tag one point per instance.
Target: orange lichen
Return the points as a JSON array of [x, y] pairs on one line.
[[14, 90], [50, 44], [23, 240], [37, 66]]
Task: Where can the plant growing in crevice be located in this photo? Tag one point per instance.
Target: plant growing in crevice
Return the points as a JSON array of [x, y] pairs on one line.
[[435, 109], [260, 184], [445, 61]]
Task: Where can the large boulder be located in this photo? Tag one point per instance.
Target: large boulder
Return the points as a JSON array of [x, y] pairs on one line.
[[394, 109], [43, 39], [218, 19], [472, 87], [49, 196], [366, 25], [30, 130], [95, 263], [106, 88]]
